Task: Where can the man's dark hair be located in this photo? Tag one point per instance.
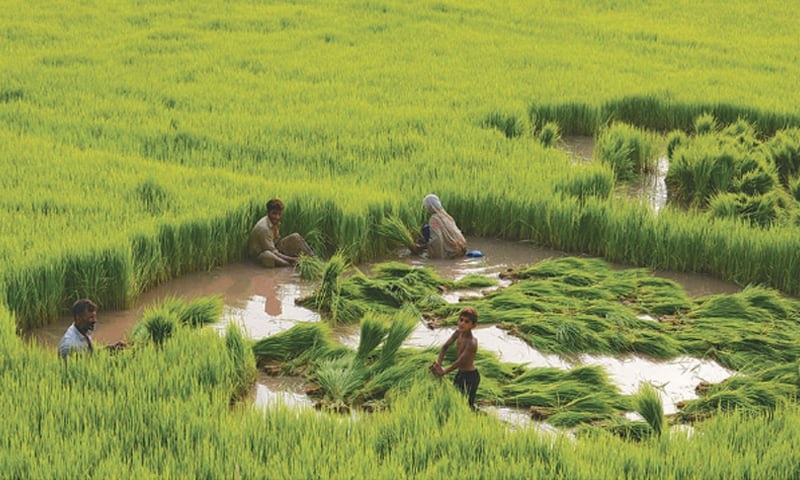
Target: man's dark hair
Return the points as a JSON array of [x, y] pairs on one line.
[[274, 204], [83, 305]]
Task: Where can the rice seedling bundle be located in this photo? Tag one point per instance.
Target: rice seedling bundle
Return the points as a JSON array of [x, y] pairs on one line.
[[294, 342], [628, 150], [648, 405], [124, 123]]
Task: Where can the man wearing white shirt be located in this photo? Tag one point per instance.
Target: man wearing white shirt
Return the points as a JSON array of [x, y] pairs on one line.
[[78, 337]]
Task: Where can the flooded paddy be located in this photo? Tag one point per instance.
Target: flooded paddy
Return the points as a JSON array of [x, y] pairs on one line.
[[650, 188], [263, 302]]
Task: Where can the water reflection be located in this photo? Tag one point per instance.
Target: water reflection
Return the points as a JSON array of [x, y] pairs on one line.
[[263, 302], [650, 187], [289, 391], [675, 379]]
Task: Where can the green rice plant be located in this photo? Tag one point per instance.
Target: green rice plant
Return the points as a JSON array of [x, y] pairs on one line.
[[675, 139], [549, 135], [473, 280], [794, 187], [327, 298], [310, 268], [743, 134], [339, 378], [373, 332], [152, 197], [783, 151], [629, 151], [157, 325], [509, 125], [242, 359], [401, 327], [743, 394], [620, 427], [648, 405], [725, 306], [201, 311], [705, 124], [699, 171], [395, 230], [292, 343]]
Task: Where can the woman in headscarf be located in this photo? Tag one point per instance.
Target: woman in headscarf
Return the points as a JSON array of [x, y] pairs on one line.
[[443, 238]]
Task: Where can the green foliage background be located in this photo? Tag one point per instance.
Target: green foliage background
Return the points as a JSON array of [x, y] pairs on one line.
[[139, 140]]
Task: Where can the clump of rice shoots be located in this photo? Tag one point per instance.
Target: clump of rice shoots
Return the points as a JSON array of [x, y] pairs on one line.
[[474, 280], [310, 268], [783, 151], [302, 338], [393, 285], [675, 140], [201, 311], [393, 229], [550, 134], [327, 298], [566, 398], [339, 378], [721, 306], [620, 427], [157, 325], [743, 394], [705, 123], [241, 355], [648, 405], [628, 150], [402, 325], [373, 330]]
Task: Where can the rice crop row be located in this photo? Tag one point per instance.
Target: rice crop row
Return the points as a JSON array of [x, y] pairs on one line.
[[150, 109]]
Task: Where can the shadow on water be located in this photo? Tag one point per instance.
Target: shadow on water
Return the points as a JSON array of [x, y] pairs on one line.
[[263, 302]]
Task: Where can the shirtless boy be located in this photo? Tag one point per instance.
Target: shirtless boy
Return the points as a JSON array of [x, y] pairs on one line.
[[467, 378]]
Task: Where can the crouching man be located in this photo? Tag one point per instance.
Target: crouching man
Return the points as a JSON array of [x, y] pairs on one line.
[[266, 245]]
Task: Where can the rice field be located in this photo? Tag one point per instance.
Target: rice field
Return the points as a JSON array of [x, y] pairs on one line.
[[140, 140]]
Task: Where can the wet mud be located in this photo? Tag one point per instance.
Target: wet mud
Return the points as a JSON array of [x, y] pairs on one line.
[[263, 302]]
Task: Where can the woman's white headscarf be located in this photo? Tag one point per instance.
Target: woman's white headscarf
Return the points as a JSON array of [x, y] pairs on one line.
[[432, 204], [453, 240]]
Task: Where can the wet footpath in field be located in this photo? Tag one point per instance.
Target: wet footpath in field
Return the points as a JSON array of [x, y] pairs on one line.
[[263, 301]]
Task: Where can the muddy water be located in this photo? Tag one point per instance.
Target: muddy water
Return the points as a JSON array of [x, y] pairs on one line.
[[263, 301], [650, 188]]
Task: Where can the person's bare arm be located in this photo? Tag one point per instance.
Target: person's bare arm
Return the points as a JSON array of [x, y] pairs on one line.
[[446, 345], [286, 258]]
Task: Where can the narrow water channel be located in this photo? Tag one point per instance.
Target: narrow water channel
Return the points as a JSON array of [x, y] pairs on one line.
[[263, 301]]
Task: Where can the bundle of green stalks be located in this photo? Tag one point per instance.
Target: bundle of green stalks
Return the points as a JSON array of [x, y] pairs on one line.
[[730, 171], [392, 285], [368, 373], [395, 230], [630, 151], [295, 342], [328, 299], [740, 393], [566, 398], [310, 268], [648, 404], [160, 321]]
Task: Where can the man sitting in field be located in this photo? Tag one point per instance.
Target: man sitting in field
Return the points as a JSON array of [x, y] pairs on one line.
[[265, 244]]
